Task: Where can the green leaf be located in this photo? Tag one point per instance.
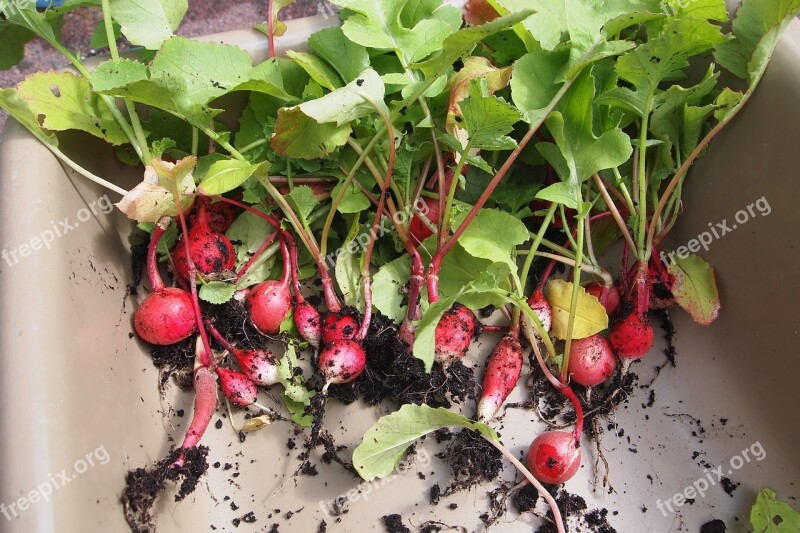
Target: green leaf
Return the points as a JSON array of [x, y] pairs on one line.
[[63, 101], [299, 136], [303, 201], [590, 315], [378, 24], [248, 232], [583, 153], [319, 71], [99, 37], [12, 44], [460, 270], [726, 102], [488, 120], [425, 339], [217, 292], [463, 41], [346, 57], [348, 271], [226, 175], [353, 200], [357, 99], [545, 26], [757, 28], [386, 442], [695, 288], [532, 85], [560, 193], [702, 9], [14, 105], [388, 285], [148, 23], [116, 73], [770, 515], [296, 396], [494, 235]]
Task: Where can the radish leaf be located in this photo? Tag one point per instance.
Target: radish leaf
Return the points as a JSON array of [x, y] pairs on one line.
[[493, 235], [217, 292], [488, 120], [590, 315], [346, 57], [770, 515], [228, 174], [695, 288], [148, 23], [386, 442]]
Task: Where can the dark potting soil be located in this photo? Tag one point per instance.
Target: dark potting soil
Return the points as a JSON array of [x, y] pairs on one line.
[[175, 361], [713, 526], [394, 524], [472, 460]]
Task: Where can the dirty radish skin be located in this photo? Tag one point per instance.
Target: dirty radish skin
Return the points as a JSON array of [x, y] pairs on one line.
[[591, 360], [342, 361], [541, 307], [554, 457], [166, 316], [502, 373], [205, 405], [237, 387], [631, 337], [661, 283], [260, 366], [454, 334], [212, 252], [269, 302], [307, 319], [418, 230], [220, 216], [339, 326], [609, 297]]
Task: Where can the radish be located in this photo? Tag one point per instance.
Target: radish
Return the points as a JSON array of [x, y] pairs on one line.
[[342, 361], [220, 216], [308, 322], [554, 457], [339, 326], [661, 283], [211, 251], [418, 229], [631, 337], [591, 360], [541, 307], [609, 296], [260, 366], [502, 372], [237, 387], [269, 302], [454, 334], [166, 316]]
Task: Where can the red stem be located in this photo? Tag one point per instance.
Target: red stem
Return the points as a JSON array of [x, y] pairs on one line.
[[217, 335], [298, 295], [331, 299], [436, 263], [567, 391], [205, 404], [271, 28], [255, 257], [156, 283]]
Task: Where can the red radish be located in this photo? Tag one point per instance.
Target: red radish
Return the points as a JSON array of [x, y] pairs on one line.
[[541, 307], [308, 322], [661, 283], [502, 372], [205, 404], [454, 334], [554, 457], [418, 229], [342, 361], [339, 326], [631, 337], [166, 316], [269, 302], [591, 360], [609, 296], [220, 216], [260, 366], [211, 251], [237, 387]]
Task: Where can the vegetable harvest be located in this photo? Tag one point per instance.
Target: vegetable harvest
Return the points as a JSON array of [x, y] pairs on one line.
[[383, 193]]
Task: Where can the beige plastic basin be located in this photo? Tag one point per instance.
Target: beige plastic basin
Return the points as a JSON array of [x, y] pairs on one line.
[[79, 404]]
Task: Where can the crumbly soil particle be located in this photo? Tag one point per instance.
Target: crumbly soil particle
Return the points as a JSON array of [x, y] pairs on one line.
[[394, 524], [714, 526], [472, 460], [175, 361]]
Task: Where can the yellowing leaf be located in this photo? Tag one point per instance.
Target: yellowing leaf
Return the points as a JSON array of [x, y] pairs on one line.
[[150, 200], [695, 288], [590, 316]]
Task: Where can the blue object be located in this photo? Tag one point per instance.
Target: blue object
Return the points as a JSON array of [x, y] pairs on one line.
[[44, 4]]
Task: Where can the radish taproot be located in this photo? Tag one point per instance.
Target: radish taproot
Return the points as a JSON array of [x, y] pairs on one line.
[[632, 336], [342, 361], [339, 326], [220, 216], [454, 333], [237, 387], [260, 366], [166, 315], [212, 252], [307, 319], [554, 457], [609, 297], [540, 306], [270, 301], [592, 360], [503, 369]]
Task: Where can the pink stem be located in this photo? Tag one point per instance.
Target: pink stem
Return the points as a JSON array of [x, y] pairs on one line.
[[217, 335], [205, 404], [271, 28], [255, 257], [298, 295], [156, 283]]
